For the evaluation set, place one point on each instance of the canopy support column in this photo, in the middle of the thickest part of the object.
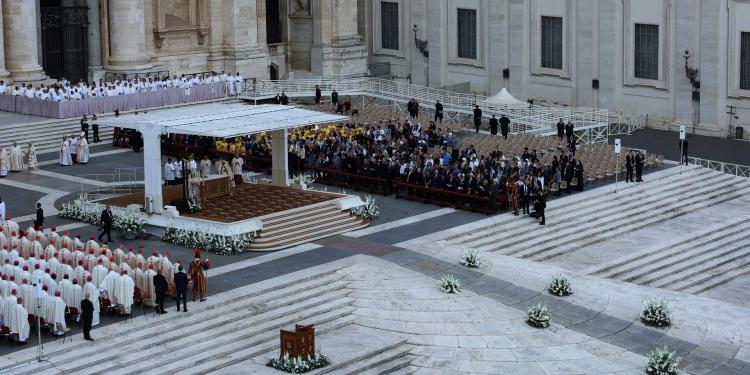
(279, 159)
(152, 169)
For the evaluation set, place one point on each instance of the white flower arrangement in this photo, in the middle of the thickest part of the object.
(662, 362)
(560, 286)
(298, 365)
(126, 221)
(193, 204)
(471, 259)
(450, 284)
(657, 314)
(538, 316)
(369, 211)
(214, 243)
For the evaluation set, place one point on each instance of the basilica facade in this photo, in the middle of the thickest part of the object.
(674, 62)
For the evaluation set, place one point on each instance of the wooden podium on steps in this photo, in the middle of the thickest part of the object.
(300, 343)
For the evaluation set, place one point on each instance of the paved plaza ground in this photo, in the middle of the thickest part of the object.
(374, 298)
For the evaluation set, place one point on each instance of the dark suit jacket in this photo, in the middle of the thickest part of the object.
(87, 309)
(181, 281)
(39, 217)
(107, 218)
(160, 284)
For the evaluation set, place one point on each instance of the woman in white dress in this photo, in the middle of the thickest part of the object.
(31, 157)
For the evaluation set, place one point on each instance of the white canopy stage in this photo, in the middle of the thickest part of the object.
(220, 120)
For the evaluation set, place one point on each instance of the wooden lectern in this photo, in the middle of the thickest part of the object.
(300, 343)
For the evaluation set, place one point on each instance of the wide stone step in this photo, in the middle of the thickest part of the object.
(380, 363)
(244, 334)
(679, 280)
(594, 225)
(246, 353)
(635, 260)
(290, 291)
(587, 197)
(576, 219)
(686, 260)
(279, 218)
(314, 221)
(270, 244)
(717, 277)
(611, 231)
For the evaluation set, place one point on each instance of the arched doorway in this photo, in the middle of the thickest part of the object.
(64, 40)
(273, 72)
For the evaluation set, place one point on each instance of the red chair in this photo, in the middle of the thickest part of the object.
(105, 304)
(73, 313)
(7, 334)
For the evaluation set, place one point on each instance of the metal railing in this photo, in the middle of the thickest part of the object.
(121, 181)
(524, 117)
(626, 125)
(720, 166)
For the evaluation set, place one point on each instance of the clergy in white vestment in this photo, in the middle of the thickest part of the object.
(27, 294)
(31, 161)
(92, 245)
(75, 296)
(124, 292)
(238, 83)
(64, 287)
(83, 151)
(65, 156)
(99, 273)
(20, 321)
(167, 269)
(169, 173)
(25, 247)
(119, 255)
(205, 166)
(237, 163)
(16, 158)
(109, 286)
(52, 283)
(4, 162)
(151, 300)
(8, 304)
(56, 313)
(93, 292)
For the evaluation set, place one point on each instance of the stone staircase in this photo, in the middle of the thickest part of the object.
(212, 338)
(601, 215)
(302, 225)
(47, 135)
(693, 264)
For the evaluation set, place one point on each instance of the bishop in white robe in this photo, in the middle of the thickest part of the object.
(16, 158)
(66, 158)
(124, 292)
(19, 323)
(31, 161)
(83, 151)
(93, 292)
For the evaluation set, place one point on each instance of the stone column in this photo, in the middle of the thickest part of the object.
(94, 40)
(152, 168)
(3, 73)
(344, 52)
(279, 159)
(20, 40)
(127, 36)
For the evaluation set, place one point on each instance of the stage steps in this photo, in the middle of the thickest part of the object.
(47, 135)
(240, 327)
(290, 228)
(693, 264)
(604, 216)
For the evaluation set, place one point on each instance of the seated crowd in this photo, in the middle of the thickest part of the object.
(65, 90)
(69, 270)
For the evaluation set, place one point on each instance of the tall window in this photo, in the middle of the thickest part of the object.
(745, 61)
(467, 33)
(646, 51)
(552, 42)
(389, 25)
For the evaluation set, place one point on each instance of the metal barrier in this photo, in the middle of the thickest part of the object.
(720, 166)
(524, 117)
(122, 181)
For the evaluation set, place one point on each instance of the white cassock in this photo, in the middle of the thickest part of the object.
(100, 272)
(51, 286)
(92, 245)
(119, 255)
(167, 269)
(64, 287)
(124, 292)
(93, 293)
(31, 161)
(65, 157)
(83, 151)
(56, 313)
(8, 304)
(4, 289)
(75, 295)
(20, 322)
(4, 162)
(27, 293)
(16, 159)
(109, 286)
(25, 247)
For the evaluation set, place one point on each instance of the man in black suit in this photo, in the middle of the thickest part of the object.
(85, 127)
(106, 221)
(684, 148)
(318, 94)
(477, 118)
(493, 125)
(560, 129)
(439, 111)
(87, 315)
(39, 222)
(95, 129)
(284, 99)
(629, 167)
(181, 285)
(638, 167)
(160, 291)
(569, 131)
(504, 126)
(334, 98)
